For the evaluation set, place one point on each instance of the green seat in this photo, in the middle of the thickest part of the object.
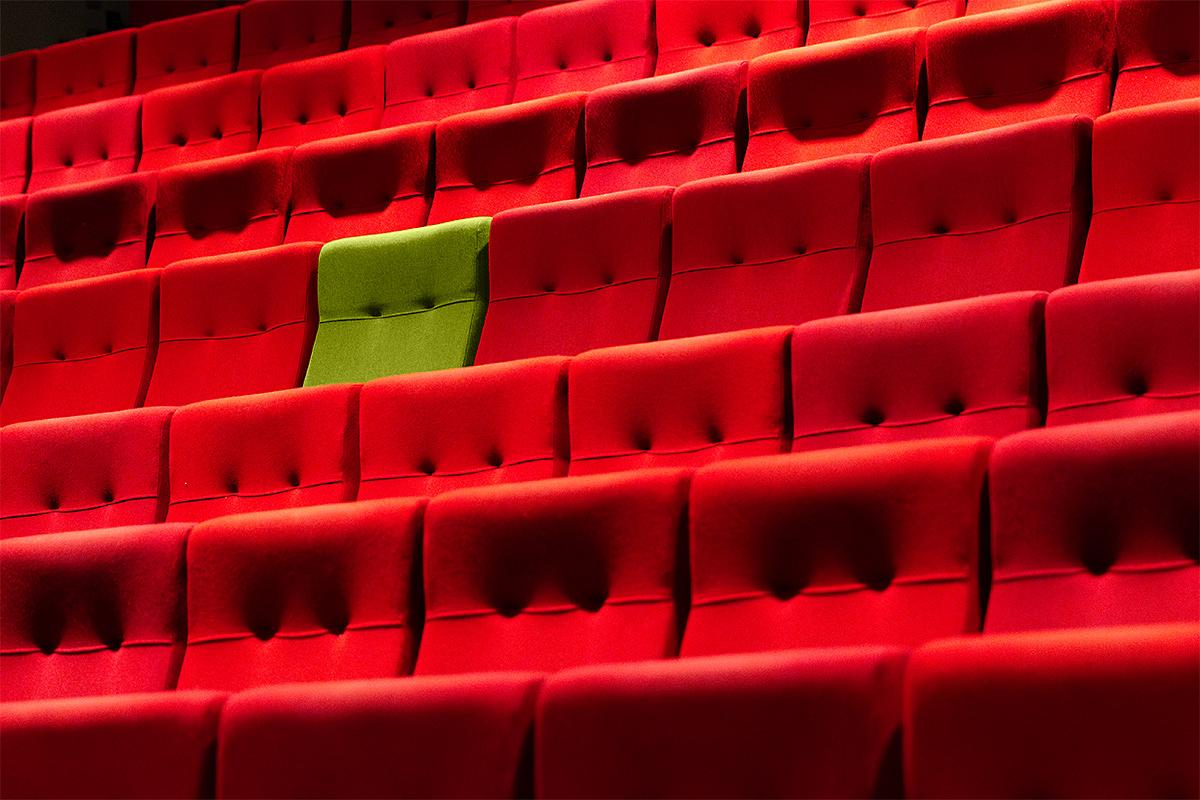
(394, 303)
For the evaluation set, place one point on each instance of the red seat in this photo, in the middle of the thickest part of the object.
(189, 48)
(85, 143)
(14, 155)
(12, 223)
(278, 31)
(86, 70)
(381, 21)
(1158, 52)
(698, 33)
(321, 97)
(8, 299)
(199, 121)
(829, 20)
(479, 10)
(16, 84)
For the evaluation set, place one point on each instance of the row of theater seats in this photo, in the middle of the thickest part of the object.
(976, 367)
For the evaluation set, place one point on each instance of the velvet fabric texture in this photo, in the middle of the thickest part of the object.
(14, 155)
(201, 120)
(334, 95)
(698, 33)
(275, 32)
(86, 70)
(190, 48)
(1158, 52)
(85, 143)
(382, 21)
(829, 20)
(16, 84)
(12, 224)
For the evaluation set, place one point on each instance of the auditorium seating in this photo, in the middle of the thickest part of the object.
(965, 368)
(664, 131)
(199, 121)
(1145, 192)
(235, 324)
(1001, 211)
(449, 72)
(277, 450)
(393, 303)
(584, 45)
(87, 230)
(93, 471)
(491, 424)
(317, 98)
(552, 574)
(365, 183)
(829, 20)
(1123, 348)
(1158, 52)
(14, 155)
(773, 247)
(382, 21)
(185, 49)
(272, 32)
(82, 347)
(84, 71)
(1096, 525)
(479, 10)
(12, 223)
(1107, 713)
(576, 275)
(8, 299)
(857, 96)
(16, 84)
(694, 33)
(85, 143)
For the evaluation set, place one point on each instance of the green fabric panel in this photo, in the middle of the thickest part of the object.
(394, 303)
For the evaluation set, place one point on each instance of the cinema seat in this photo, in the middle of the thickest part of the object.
(552, 574)
(1158, 52)
(91, 612)
(449, 72)
(317, 594)
(1065, 64)
(14, 155)
(664, 131)
(699, 33)
(322, 97)
(275, 32)
(581, 46)
(479, 10)
(732, 726)
(360, 184)
(918, 372)
(88, 230)
(183, 49)
(479, 426)
(857, 96)
(236, 324)
(1095, 525)
(1072, 714)
(772, 247)
(462, 737)
(199, 121)
(1001, 211)
(8, 299)
(576, 275)
(85, 143)
(1145, 192)
(159, 744)
(12, 225)
(82, 347)
(507, 157)
(85, 70)
(94, 471)
(263, 452)
(1123, 348)
(829, 20)
(684, 403)
(395, 303)
(16, 84)
(224, 205)
(381, 21)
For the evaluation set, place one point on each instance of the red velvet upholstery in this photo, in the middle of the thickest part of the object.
(235, 324)
(664, 131)
(462, 737)
(148, 745)
(361, 184)
(966, 368)
(1043, 60)
(267, 451)
(93, 471)
(88, 230)
(99, 140)
(381, 21)
(315, 594)
(86, 70)
(16, 84)
(698, 33)
(479, 10)
(553, 574)
(184, 49)
(1145, 192)
(222, 206)
(202, 120)
(857, 96)
(478, 426)
(686, 402)
(14, 155)
(449, 72)
(82, 347)
(278, 31)
(768, 248)
(1096, 525)
(507, 157)
(733, 726)
(8, 299)
(572, 276)
(12, 223)
(580, 46)
(829, 20)
(854, 546)
(1072, 714)
(1123, 348)
(1001, 211)
(91, 612)
(1158, 52)
(329, 96)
